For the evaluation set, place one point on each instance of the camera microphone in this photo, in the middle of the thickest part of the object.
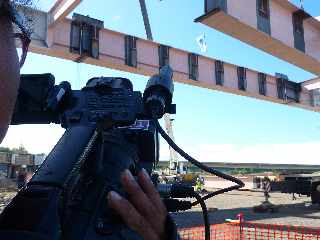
(157, 96)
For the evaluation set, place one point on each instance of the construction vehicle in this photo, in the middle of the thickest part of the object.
(178, 170)
(303, 184)
(175, 166)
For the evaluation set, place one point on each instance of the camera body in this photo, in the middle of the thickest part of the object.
(102, 99)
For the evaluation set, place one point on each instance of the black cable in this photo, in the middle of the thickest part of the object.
(205, 215)
(203, 167)
(175, 205)
(158, 147)
(220, 191)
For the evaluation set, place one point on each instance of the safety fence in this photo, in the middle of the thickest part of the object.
(242, 230)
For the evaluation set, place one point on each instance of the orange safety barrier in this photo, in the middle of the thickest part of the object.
(242, 230)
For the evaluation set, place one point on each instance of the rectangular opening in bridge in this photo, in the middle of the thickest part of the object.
(262, 82)
(219, 72)
(193, 66)
(263, 16)
(84, 35)
(293, 91)
(163, 55)
(95, 43)
(298, 30)
(210, 5)
(75, 37)
(131, 51)
(281, 88)
(288, 90)
(86, 40)
(242, 81)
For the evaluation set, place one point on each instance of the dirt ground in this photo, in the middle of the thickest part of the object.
(227, 206)
(299, 212)
(5, 198)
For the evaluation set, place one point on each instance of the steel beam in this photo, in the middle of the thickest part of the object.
(55, 41)
(146, 21)
(274, 30)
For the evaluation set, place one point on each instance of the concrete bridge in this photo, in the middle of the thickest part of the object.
(265, 166)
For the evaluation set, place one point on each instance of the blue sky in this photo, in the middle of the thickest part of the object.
(211, 125)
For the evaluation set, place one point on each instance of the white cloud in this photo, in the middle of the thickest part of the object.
(35, 138)
(164, 152)
(116, 18)
(42, 138)
(290, 153)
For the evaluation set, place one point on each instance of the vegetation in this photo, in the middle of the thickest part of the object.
(21, 150)
(246, 171)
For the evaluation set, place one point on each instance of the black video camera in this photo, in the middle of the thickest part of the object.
(109, 128)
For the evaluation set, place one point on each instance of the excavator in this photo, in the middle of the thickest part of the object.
(178, 170)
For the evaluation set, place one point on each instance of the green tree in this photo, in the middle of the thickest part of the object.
(5, 149)
(21, 150)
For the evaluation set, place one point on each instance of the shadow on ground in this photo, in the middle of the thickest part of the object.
(298, 210)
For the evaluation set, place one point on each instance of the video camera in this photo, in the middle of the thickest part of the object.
(109, 128)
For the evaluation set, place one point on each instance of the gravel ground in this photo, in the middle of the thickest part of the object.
(299, 212)
(5, 198)
(227, 206)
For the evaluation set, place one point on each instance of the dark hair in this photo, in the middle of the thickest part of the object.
(29, 23)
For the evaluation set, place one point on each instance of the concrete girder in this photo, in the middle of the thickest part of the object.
(55, 41)
(273, 31)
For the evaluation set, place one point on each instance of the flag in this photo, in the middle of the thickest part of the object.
(201, 40)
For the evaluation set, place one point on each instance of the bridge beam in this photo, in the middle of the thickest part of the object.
(277, 27)
(188, 68)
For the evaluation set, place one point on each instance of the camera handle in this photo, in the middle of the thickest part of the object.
(66, 198)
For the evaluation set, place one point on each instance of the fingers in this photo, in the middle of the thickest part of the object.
(150, 190)
(154, 197)
(137, 196)
(131, 216)
(145, 213)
